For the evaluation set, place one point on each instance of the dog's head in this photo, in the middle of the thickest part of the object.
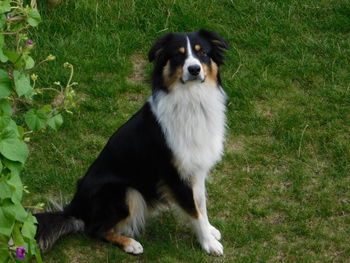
(187, 57)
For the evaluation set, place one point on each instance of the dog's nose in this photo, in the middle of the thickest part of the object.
(194, 69)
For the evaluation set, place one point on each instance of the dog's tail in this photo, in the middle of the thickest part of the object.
(54, 224)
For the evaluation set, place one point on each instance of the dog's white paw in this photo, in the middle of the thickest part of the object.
(212, 246)
(134, 247)
(216, 233)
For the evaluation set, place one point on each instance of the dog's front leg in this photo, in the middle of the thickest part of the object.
(199, 192)
(183, 192)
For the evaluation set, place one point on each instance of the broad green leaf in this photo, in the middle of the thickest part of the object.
(35, 119)
(15, 58)
(13, 126)
(16, 187)
(29, 62)
(12, 55)
(4, 121)
(29, 228)
(5, 84)
(33, 18)
(5, 106)
(5, 190)
(22, 84)
(55, 122)
(14, 211)
(14, 167)
(3, 57)
(4, 254)
(6, 224)
(11, 147)
(0, 172)
(5, 6)
(2, 20)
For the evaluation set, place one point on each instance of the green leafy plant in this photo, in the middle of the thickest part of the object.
(21, 115)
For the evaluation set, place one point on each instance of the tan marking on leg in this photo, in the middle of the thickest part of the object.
(197, 213)
(169, 195)
(121, 223)
(117, 239)
(134, 223)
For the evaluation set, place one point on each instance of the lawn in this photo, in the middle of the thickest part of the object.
(282, 190)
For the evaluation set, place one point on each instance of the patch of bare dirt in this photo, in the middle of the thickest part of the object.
(138, 63)
(235, 144)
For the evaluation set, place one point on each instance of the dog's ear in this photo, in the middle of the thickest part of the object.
(219, 45)
(158, 48)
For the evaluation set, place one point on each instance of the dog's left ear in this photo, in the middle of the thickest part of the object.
(157, 50)
(219, 45)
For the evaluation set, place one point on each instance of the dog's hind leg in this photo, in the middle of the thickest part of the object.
(116, 212)
(128, 244)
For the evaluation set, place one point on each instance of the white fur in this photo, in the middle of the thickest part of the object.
(134, 248)
(138, 212)
(207, 240)
(191, 61)
(192, 117)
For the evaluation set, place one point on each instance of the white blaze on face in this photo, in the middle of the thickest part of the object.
(191, 61)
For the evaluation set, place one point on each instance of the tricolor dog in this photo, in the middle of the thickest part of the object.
(163, 154)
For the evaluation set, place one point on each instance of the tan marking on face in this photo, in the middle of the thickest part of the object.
(182, 50)
(211, 72)
(197, 47)
(117, 239)
(171, 79)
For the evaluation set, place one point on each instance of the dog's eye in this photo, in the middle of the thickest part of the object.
(202, 53)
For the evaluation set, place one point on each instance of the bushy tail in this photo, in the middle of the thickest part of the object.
(53, 225)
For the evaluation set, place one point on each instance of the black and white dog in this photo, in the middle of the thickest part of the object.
(163, 153)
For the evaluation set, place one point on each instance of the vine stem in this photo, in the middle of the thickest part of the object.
(51, 89)
(14, 33)
(71, 75)
(37, 65)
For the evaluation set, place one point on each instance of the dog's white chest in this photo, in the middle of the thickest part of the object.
(192, 118)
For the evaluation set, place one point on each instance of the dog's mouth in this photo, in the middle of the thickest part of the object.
(193, 78)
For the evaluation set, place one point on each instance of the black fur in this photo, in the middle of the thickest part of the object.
(136, 156)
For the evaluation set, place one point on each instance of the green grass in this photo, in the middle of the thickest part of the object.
(281, 193)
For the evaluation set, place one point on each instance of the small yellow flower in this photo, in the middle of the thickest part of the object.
(34, 77)
(67, 65)
(50, 57)
(57, 83)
